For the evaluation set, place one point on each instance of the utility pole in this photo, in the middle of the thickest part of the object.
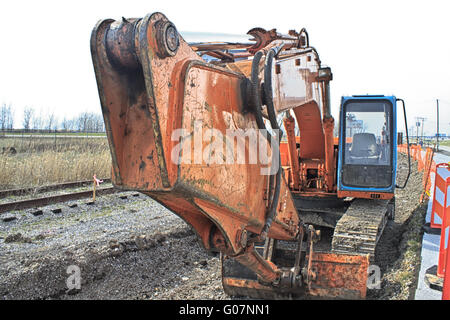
(437, 124)
(417, 130)
(422, 119)
(421, 135)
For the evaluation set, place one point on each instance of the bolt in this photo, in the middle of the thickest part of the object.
(172, 38)
(243, 238)
(167, 38)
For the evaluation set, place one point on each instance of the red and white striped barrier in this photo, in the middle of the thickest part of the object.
(440, 210)
(440, 218)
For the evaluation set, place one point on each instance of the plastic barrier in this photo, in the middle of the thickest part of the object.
(440, 194)
(446, 287)
(440, 205)
(425, 163)
(439, 210)
(429, 167)
(420, 159)
(444, 256)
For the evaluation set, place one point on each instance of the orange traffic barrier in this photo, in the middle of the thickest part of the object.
(439, 210)
(440, 205)
(446, 287)
(425, 163)
(429, 167)
(417, 152)
(420, 160)
(402, 148)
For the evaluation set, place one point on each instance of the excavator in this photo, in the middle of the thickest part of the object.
(237, 140)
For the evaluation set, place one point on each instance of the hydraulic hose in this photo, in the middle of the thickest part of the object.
(274, 124)
(257, 103)
(256, 97)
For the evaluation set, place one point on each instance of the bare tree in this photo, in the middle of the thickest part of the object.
(71, 124)
(65, 124)
(84, 122)
(28, 113)
(51, 120)
(81, 122)
(55, 124)
(99, 124)
(6, 117)
(3, 116)
(37, 122)
(3, 111)
(10, 121)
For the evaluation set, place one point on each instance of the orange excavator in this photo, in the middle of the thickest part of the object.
(197, 127)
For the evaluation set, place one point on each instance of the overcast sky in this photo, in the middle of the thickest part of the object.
(374, 47)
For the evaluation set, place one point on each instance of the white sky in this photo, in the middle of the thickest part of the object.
(376, 47)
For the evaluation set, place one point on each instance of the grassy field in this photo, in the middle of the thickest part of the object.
(32, 161)
(430, 142)
(445, 143)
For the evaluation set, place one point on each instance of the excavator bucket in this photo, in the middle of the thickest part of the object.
(334, 276)
(339, 275)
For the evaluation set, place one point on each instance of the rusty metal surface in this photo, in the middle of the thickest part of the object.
(365, 194)
(310, 124)
(289, 125)
(144, 101)
(266, 270)
(336, 276)
(342, 276)
(256, 290)
(153, 84)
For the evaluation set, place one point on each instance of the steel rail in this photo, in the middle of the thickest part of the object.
(19, 192)
(45, 201)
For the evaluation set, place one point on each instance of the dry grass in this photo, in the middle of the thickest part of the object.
(43, 161)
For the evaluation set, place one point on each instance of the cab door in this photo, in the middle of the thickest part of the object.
(367, 137)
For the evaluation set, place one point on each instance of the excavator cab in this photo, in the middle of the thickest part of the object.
(368, 146)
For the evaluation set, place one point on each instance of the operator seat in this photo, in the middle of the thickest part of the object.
(365, 145)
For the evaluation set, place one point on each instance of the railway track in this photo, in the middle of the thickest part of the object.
(52, 199)
(45, 201)
(66, 185)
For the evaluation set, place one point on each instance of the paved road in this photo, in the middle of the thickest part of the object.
(430, 242)
(444, 150)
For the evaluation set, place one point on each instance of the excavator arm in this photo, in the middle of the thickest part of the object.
(192, 135)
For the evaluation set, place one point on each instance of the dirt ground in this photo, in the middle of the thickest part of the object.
(398, 251)
(134, 248)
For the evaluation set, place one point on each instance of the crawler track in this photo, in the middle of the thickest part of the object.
(360, 228)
